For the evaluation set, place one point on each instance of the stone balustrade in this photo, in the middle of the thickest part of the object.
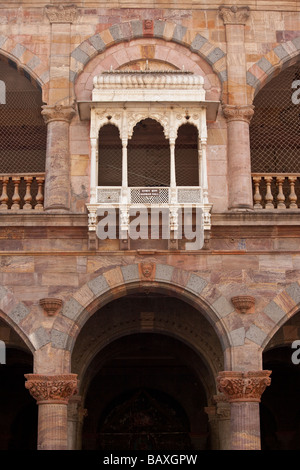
(276, 190)
(23, 191)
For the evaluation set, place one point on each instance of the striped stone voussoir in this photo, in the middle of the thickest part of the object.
(137, 29)
(122, 280)
(272, 63)
(27, 63)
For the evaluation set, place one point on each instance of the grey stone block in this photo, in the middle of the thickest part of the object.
(97, 42)
(137, 28)
(72, 309)
(215, 55)
(80, 55)
(294, 292)
(18, 50)
(281, 52)
(223, 307)
(116, 32)
(163, 272)
(238, 337)
(2, 40)
(196, 284)
(33, 62)
(130, 272)
(19, 313)
(256, 335)
(3, 292)
(274, 312)
(296, 42)
(72, 76)
(223, 76)
(198, 43)
(59, 339)
(40, 337)
(251, 79)
(265, 65)
(179, 33)
(98, 285)
(158, 29)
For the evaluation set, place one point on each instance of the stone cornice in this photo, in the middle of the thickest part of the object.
(234, 15)
(51, 388)
(58, 113)
(238, 112)
(61, 13)
(243, 386)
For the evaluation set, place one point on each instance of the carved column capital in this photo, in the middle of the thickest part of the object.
(61, 13)
(234, 15)
(238, 113)
(46, 389)
(243, 386)
(58, 113)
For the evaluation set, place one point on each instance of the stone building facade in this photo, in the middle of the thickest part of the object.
(126, 342)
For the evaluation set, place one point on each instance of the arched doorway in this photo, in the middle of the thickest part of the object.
(280, 409)
(18, 410)
(147, 365)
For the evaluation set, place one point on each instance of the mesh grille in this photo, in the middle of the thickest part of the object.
(275, 126)
(110, 156)
(148, 156)
(186, 156)
(23, 132)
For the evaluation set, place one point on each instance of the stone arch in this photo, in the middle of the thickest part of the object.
(271, 64)
(156, 29)
(121, 280)
(26, 63)
(280, 309)
(14, 313)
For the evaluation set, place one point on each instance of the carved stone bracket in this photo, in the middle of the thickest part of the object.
(234, 15)
(51, 388)
(61, 13)
(244, 303)
(50, 306)
(58, 113)
(243, 386)
(238, 113)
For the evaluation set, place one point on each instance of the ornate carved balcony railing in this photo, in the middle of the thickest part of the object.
(22, 191)
(173, 199)
(276, 191)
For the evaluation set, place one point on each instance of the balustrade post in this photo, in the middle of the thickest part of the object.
(39, 197)
(292, 195)
(269, 197)
(280, 195)
(16, 196)
(257, 196)
(28, 197)
(4, 195)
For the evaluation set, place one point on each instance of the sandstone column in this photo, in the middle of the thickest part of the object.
(223, 414)
(60, 109)
(237, 110)
(57, 182)
(76, 415)
(243, 391)
(52, 393)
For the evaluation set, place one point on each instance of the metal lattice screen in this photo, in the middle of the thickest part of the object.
(186, 156)
(148, 155)
(22, 129)
(275, 126)
(110, 156)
